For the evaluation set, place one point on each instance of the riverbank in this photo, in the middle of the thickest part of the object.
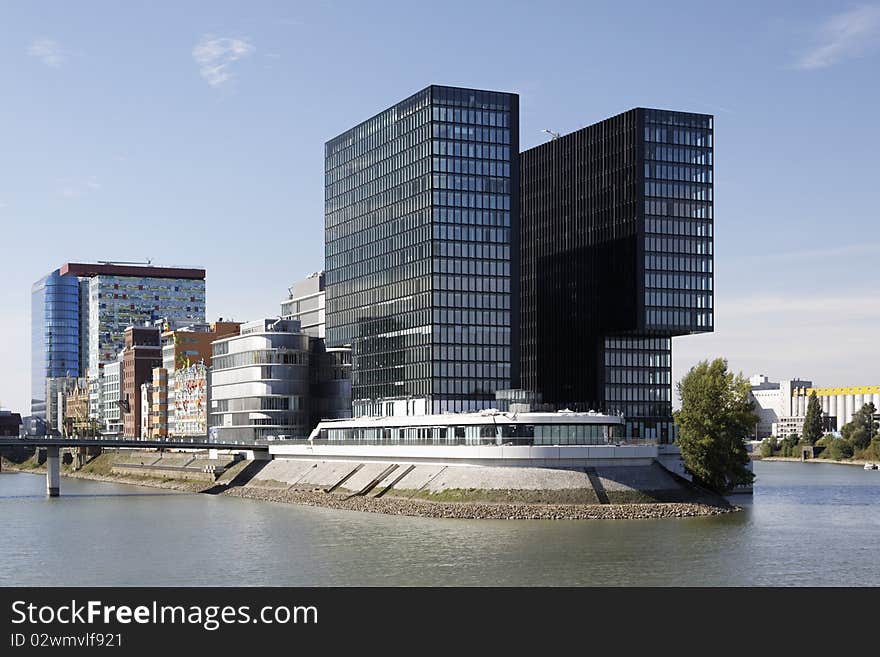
(472, 510)
(560, 501)
(793, 459)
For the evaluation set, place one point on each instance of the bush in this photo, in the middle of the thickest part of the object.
(873, 450)
(840, 448)
(768, 446)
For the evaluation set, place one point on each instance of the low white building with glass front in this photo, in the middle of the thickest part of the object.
(561, 439)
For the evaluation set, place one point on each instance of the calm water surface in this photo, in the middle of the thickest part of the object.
(806, 525)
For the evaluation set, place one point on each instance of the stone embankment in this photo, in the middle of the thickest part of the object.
(483, 510)
(430, 491)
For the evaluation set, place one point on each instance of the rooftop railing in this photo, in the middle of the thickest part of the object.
(474, 442)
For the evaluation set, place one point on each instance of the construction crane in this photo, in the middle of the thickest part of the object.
(553, 135)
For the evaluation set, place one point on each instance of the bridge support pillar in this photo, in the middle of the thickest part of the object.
(80, 457)
(53, 471)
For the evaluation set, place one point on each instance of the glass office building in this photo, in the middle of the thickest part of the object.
(616, 260)
(55, 346)
(421, 235)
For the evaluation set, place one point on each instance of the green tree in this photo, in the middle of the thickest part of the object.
(769, 446)
(862, 428)
(813, 420)
(788, 443)
(715, 420)
(838, 449)
(875, 447)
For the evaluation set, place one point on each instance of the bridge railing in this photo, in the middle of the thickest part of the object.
(117, 440)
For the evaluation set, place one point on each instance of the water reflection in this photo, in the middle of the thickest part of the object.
(799, 517)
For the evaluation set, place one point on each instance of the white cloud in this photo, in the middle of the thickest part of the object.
(47, 51)
(77, 187)
(849, 34)
(214, 55)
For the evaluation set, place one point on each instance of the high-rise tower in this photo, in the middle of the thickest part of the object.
(421, 208)
(617, 255)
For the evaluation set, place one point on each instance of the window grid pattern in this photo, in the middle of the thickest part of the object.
(617, 258)
(117, 302)
(638, 384)
(471, 247)
(678, 187)
(250, 402)
(54, 334)
(418, 247)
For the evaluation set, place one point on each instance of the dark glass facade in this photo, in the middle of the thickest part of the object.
(616, 235)
(55, 337)
(421, 209)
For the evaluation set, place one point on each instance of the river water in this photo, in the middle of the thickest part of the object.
(807, 524)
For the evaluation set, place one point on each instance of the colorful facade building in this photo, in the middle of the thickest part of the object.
(191, 397)
(182, 348)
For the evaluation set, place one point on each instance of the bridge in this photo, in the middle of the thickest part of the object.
(54, 444)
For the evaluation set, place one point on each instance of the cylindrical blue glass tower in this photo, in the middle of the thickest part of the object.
(54, 334)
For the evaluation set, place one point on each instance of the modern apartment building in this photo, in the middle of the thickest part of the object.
(421, 209)
(122, 295)
(183, 348)
(617, 258)
(260, 383)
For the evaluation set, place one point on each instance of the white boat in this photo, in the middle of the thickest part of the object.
(871, 466)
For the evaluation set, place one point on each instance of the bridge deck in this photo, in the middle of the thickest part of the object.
(14, 441)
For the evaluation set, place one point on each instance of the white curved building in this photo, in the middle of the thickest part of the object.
(260, 383)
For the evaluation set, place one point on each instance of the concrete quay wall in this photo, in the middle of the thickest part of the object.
(596, 484)
(544, 456)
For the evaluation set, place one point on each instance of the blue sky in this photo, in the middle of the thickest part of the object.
(192, 133)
